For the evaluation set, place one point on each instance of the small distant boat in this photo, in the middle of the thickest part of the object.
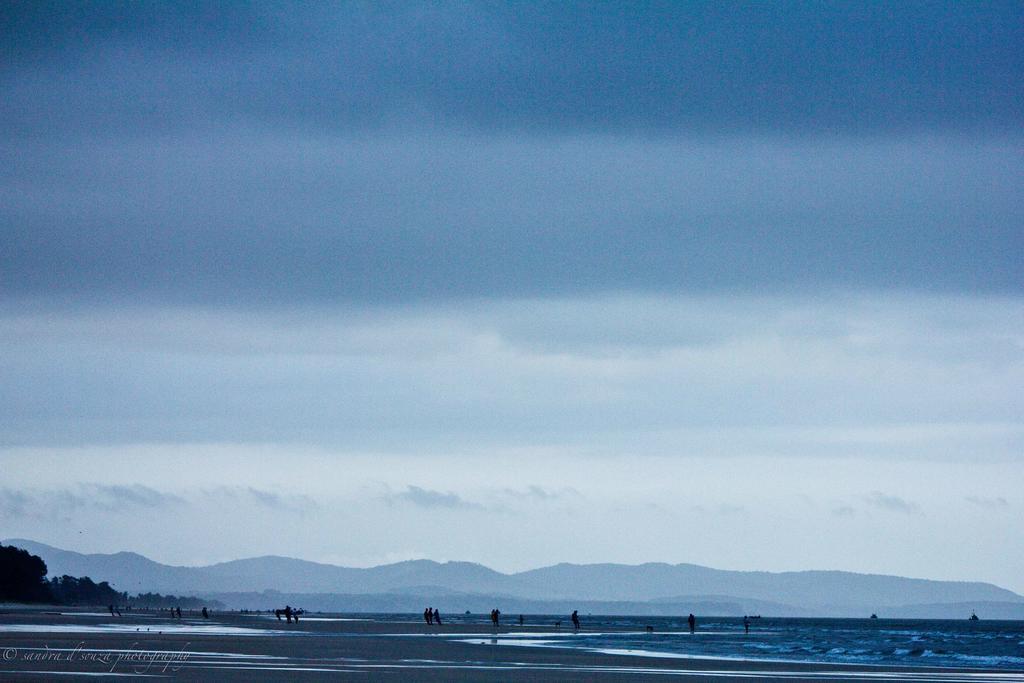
(974, 617)
(874, 616)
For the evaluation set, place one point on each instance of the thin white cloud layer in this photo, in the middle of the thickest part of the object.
(864, 375)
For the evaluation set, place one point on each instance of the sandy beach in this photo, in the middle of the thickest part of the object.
(60, 643)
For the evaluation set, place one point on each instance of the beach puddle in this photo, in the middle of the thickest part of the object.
(305, 618)
(521, 642)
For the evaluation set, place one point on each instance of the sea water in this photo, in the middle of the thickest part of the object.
(927, 642)
(992, 644)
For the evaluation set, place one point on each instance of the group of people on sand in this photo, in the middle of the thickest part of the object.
(432, 616)
(496, 619)
(288, 613)
(175, 612)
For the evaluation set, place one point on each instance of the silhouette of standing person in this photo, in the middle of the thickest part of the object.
(692, 621)
(437, 617)
(428, 616)
(497, 617)
(206, 615)
(520, 619)
(288, 613)
(575, 620)
(746, 624)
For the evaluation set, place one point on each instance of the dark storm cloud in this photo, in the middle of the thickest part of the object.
(550, 65)
(892, 503)
(270, 500)
(428, 498)
(988, 502)
(58, 503)
(539, 494)
(274, 220)
(275, 153)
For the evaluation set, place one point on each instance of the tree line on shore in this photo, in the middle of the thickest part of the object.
(23, 579)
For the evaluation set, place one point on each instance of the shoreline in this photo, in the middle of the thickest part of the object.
(43, 643)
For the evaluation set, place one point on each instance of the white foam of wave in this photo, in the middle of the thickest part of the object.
(906, 674)
(991, 660)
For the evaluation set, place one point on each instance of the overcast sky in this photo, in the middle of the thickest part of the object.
(733, 284)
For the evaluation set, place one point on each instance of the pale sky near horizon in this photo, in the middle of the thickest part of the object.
(733, 284)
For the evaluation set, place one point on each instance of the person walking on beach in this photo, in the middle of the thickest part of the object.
(575, 620)
(288, 613)
(746, 624)
(437, 617)
(206, 615)
(428, 616)
(692, 621)
(520, 619)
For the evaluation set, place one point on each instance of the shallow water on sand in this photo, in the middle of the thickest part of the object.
(203, 629)
(961, 643)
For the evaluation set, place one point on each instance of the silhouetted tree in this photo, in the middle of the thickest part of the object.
(23, 579)
(69, 590)
(22, 576)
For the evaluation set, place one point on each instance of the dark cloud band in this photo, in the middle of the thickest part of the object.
(704, 66)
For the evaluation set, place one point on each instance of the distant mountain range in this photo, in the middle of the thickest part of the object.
(652, 588)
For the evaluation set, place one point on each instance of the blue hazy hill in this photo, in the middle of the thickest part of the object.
(644, 588)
